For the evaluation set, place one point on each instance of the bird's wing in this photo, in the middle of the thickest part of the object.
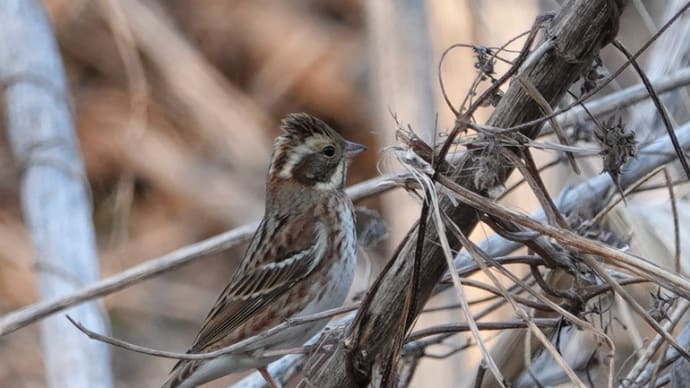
(253, 289)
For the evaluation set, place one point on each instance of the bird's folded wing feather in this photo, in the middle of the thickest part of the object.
(252, 290)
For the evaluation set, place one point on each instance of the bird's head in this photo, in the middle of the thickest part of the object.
(311, 153)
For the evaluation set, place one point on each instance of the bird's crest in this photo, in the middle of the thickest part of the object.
(304, 125)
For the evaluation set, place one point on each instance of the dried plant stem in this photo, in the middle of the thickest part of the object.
(676, 221)
(237, 347)
(139, 99)
(544, 105)
(484, 326)
(481, 258)
(642, 364)
(638, 266)
(670, 130)
(579, 30)
(439, 223)
(22, 317)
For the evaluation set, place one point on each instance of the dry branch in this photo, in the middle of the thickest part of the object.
(20, 318)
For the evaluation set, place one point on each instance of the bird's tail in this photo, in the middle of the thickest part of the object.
(170, 383)
(179, 374)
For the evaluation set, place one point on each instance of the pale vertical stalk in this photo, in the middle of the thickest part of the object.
(401, 84)
(402, 66)
(55, 199)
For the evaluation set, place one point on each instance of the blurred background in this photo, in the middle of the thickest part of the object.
(176, 104)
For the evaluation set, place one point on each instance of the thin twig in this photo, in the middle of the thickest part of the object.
(532, 91)
(636, 373)
(462, 327)
(676, 221)
(237, 347)
(597, 219)
(659, 106)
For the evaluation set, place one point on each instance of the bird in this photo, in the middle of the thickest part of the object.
(300, 261)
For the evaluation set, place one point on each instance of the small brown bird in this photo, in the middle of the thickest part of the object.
(300, 261)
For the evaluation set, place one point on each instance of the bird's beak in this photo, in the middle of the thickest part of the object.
(353, 149)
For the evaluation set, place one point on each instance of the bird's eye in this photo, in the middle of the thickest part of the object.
(328, 150)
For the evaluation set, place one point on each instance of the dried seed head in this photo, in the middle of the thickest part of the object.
(485, 61)
(618, 145)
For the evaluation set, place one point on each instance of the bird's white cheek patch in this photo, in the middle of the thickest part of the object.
(295, 157)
